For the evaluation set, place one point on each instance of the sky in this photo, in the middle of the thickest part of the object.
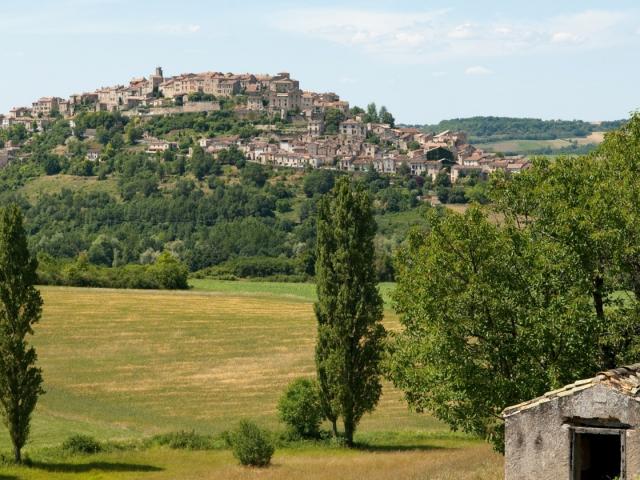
(424, 60)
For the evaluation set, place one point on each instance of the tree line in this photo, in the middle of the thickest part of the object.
(493, 129)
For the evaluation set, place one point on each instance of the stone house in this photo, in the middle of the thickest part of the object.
(46, 106)
(459, 171)
(352, 128)
(160, 146)
(385, 165)
(255, 102)
(586, 430)
(315, 128)
(93, 155)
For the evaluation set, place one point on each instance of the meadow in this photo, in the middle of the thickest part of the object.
(125, 365)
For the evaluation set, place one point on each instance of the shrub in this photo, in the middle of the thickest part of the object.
(184, 440)
(299, 407)
(251, 445)
(81, 444)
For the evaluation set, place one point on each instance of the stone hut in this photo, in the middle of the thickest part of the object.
(589, 430)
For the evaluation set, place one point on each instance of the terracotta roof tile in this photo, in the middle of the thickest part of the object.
(624, 379)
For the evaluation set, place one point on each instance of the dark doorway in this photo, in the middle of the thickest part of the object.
(596, 456)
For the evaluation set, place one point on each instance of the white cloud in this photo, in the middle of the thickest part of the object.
(432, 36)
(478, 70)
(565, 37)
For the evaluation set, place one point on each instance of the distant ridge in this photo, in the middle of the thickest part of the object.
(490, 128)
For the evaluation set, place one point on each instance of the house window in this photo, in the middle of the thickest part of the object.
(597, 454)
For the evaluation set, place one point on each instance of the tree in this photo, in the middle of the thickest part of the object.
(254, 175)
(349, 307)
(589, 205)
(318, 182)
(496, 314)
(372, 114)
(133, 133)
(333, 117)
(201, 162)
(169, 272)
(492, 316)
(413, 145)
(52, 164)
(299, 407)
(386, 117)
(20, 309)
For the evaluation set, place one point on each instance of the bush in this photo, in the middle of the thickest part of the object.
(184, 440)
(167, 273)
(299, 407)
(81, 444)
(251, 445)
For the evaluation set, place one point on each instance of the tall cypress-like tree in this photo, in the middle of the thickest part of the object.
(20, 309)
(349, 309)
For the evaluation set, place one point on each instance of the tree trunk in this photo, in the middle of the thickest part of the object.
(349, 428)
(334, 425)
(608, 352)
(17, 454)
(597, 297)
(634, 267)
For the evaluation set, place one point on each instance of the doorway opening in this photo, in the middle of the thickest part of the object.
(597, 455)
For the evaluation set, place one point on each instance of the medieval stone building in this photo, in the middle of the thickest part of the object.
(589, 430)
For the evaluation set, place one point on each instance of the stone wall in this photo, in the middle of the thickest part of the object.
(193, 107)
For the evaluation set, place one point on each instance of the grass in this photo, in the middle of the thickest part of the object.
(39, 186)
(438, 460)
(288, 291)
(126, 365)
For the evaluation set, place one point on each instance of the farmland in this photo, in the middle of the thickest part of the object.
(125, 365)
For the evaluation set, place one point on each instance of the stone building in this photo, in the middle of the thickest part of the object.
(46, 106)
(589, 430)
(352, 128)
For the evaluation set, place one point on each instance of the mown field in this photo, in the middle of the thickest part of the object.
(129, 364)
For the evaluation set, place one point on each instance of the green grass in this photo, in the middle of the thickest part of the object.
(121, 364)
(290, 291)
(126, 365)
(433, 458)
(56, 183)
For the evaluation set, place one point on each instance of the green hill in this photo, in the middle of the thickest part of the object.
(221, 214)
(493, 129)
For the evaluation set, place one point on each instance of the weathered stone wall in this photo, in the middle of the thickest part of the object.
(538, 439)
(192, 107)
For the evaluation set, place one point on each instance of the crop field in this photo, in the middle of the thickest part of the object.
(126, 364)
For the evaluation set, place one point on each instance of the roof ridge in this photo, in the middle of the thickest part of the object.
(625, 379)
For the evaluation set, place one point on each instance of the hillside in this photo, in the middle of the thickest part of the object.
(217, 213)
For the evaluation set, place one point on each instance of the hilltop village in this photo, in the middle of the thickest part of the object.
(323, 132)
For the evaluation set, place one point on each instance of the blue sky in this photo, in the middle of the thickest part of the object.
(425, 60)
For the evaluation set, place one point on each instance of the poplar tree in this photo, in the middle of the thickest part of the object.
(20, 309)
(349, 309)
